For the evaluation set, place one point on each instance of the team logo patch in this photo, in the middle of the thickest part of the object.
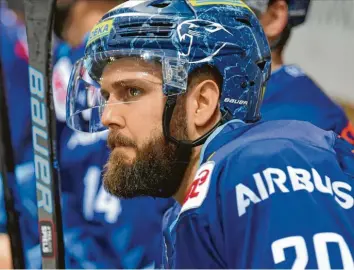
(199, 188)
(100, 30)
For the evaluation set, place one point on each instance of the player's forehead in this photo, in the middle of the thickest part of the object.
(130, 68)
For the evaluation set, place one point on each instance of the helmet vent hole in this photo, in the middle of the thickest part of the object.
(261, 65)
(243, 21)
(160, 3)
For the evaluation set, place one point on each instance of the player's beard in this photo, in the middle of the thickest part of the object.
(151, 172)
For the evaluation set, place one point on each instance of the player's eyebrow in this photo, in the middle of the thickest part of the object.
(124, 82)
(113, 85)
(134, 82)
(120, 83)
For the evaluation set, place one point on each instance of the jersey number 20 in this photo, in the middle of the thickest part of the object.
(320, 241)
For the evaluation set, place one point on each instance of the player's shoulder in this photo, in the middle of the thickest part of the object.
(277, 137)
(303, 82)
(295, 77)
(271, 144)
(292, 94)
(292, 73)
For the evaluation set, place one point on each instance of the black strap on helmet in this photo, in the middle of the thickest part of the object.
(184, 147)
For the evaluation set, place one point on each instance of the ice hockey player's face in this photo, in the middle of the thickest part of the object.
(141, 160)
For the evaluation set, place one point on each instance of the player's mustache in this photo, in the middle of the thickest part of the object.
(116, 139)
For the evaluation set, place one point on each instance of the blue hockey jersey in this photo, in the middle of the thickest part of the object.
(292, 95)
(100, 230)
(275, 194)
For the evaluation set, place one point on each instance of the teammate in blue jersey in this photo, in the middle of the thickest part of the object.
(179, 85)
(100, 230)
(291, 93)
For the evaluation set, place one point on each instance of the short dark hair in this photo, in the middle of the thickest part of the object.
(272, 1)
(204, 72)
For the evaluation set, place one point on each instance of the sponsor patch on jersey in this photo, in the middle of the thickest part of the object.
(199, 188)
(237, 3)
(100, 30)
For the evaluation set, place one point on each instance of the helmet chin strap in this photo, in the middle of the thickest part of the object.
(184, 147)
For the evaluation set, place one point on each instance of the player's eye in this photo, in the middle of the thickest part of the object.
(105, 95)
(134, 92)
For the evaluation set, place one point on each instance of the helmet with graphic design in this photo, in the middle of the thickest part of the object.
(182, 36)
(297, 13)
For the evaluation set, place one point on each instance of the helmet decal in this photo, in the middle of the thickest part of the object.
(196, 30)
(100, 30)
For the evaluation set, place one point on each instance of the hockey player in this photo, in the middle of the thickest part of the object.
(109, 232)
(291, 93)
(179, 85)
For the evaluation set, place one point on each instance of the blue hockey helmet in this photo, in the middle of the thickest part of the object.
(297, 9)
(297, 12)
(181, 36)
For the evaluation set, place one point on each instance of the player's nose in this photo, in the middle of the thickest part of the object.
(112, 117)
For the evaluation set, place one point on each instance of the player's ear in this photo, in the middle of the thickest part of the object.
(275, 19)
(206, 103)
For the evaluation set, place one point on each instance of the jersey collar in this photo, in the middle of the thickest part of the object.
(220, 137)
